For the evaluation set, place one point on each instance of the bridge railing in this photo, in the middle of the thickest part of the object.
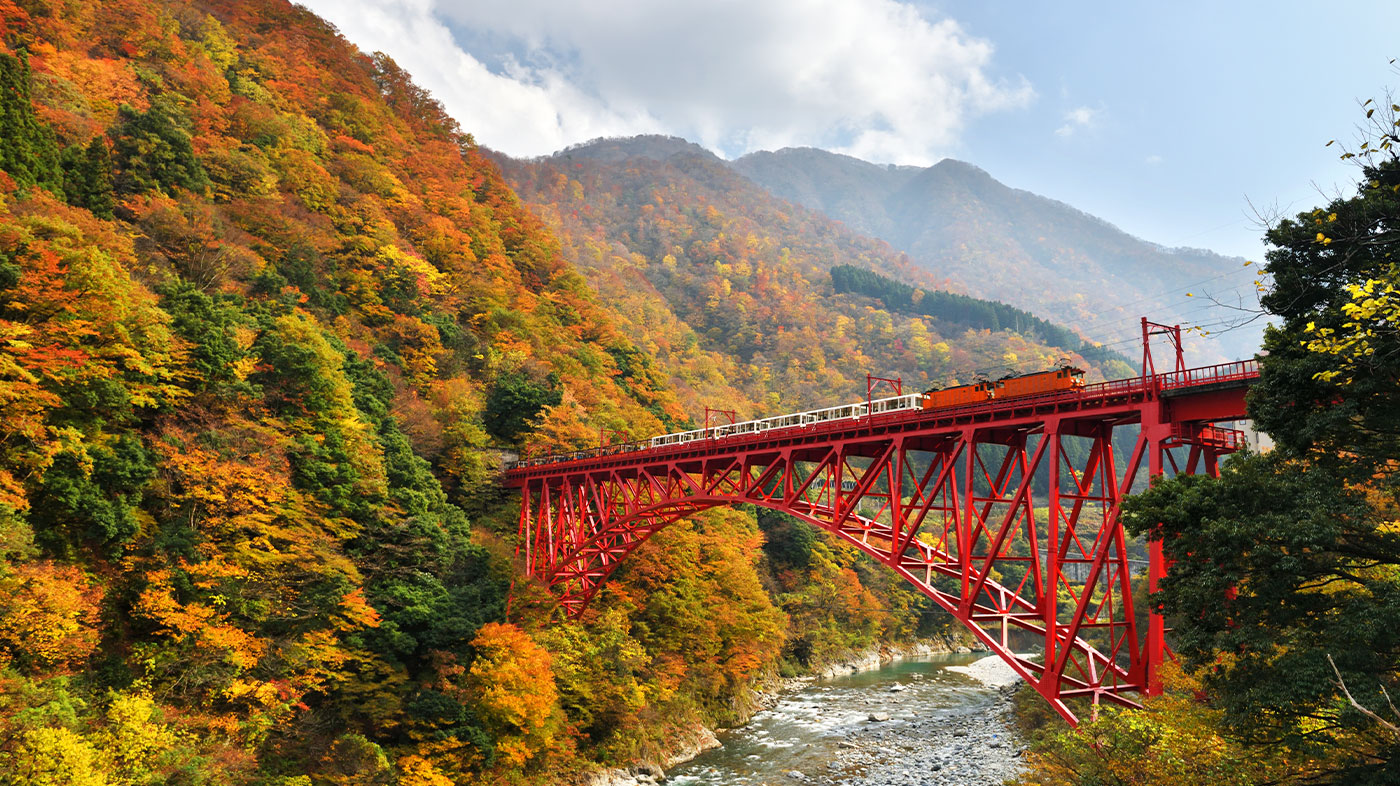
(1220, 372)
(1169, 380)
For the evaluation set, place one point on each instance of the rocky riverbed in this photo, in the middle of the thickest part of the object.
(979, 747)
(912, 723)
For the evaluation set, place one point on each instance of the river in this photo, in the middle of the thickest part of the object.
(942, 727)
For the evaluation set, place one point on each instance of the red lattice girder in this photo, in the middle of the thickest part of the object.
(986, 509)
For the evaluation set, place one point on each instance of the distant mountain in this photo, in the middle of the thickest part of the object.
(847, 189)
(650, 146)
(731, 288)
(957, 222)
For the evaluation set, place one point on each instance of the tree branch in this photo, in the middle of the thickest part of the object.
(1394, 730)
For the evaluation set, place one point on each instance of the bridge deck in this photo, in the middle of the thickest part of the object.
(955, 500)
(1192, 395)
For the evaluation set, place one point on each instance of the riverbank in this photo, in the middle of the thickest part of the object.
(693, 742)
(923, 721)
(885, 654)
(919, 719)
(979, 746)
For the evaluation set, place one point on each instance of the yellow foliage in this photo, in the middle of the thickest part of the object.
(418, 771)
(1372, 313)
(355, 761)
(132, 740)
(303, 176)
(563, 427)
(264, 694)
(55, 757)
(1174, 741)
(427, 279)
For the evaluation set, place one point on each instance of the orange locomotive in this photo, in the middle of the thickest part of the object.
(962, 394)
(1062, 378)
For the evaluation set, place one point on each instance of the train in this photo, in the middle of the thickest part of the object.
(1057, 379)
(1011, 386)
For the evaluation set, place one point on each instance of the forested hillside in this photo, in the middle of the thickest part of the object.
(269, 322)
(958, 222)
(731, 289)
(953, 309)
(1284, 587)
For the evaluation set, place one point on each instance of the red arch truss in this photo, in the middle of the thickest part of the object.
(1005, 513)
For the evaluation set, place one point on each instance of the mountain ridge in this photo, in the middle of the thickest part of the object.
(1035, 252)
(969, 233)
(663, 227)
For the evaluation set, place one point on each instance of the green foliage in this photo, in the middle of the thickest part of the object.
(601, 672)
(1292, 557)
(87, 177)
(514, 401)
(92, 497)
(210, 325)
(788, 543)
(961, 309)
(1352, 428)
(968, 311)
(452, 588)
(1277, 564)
(1175, 741)
(29, 153)
(153, 150)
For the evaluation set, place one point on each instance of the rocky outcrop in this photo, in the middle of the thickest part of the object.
(684, 747)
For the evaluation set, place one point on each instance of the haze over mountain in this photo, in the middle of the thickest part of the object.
(730, 288)
(960, 224)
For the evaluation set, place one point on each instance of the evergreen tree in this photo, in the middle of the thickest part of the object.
(964, 310)
(154, 150)
(87, 177)
(514, 401)
(28, 151)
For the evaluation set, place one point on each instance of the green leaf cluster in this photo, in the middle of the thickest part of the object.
(153, 150)
(29, 153)
(1294, 556)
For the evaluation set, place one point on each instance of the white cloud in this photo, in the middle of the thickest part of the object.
(1077, 119)
(1153, 159)
(872, 78)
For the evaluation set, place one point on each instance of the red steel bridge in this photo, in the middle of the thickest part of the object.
(1004, 512)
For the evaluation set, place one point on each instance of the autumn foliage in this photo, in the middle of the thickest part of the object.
(270, 323)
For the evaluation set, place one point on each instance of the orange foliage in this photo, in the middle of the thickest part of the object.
(290, 359)
(201, 622)
(48, 617)
(514, 689)
(729, 288)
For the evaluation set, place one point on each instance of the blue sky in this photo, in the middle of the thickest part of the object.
(1197, 107)
(1165, 119)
